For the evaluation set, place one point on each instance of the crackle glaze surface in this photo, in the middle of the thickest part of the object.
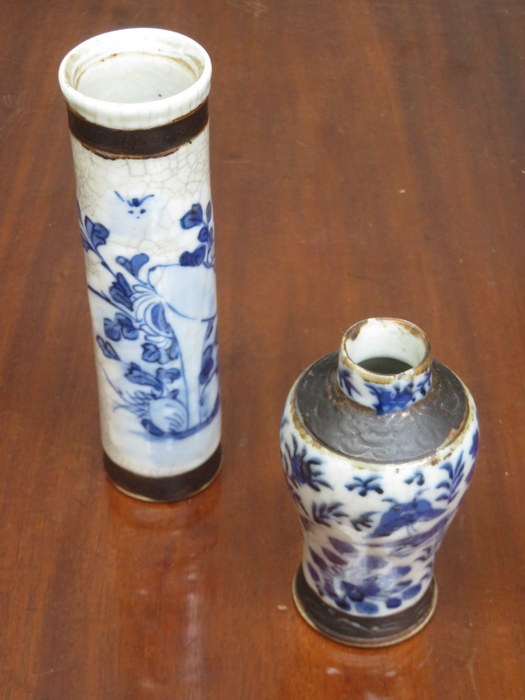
(147, 231)
(371, 531)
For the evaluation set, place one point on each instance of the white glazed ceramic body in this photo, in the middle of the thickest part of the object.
(147, 230)
(371, 530)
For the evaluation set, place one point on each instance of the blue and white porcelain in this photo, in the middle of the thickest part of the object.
(137, 104)
(377, 463)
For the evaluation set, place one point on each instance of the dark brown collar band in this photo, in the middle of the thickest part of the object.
(138, 143)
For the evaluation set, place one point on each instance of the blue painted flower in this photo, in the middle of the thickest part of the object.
(389, 399)
(365, 484)
(140, 324)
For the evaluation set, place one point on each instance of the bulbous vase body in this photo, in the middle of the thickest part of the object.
(378, 446)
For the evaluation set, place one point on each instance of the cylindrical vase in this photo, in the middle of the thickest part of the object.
(378, 444)
(137, 102)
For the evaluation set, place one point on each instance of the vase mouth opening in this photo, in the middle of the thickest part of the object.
(156, 74)
(386, 347)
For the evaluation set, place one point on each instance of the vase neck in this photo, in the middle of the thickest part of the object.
(385, 364)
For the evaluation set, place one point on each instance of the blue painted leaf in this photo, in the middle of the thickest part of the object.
(318, 560)
(334, 558)
(448, 468)
(401, 570)
(198, 255)
(193, 217)
(107, 349)
(313, 572)
(134, 265)
(323, 513)
(126, 326)
(124, 262)
(138, 376)
(173, 394)
(194, 259)
(151, 353)
(444, 485)
(97, 233)
(112, 329)
(364, 520)
(138, 261)
(208, 212)
(412, 592)
(341, 546)
(121, 292)
(393, 602)
(204, 235)
(345, 378)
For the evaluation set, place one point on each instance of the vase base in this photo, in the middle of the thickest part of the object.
(165, 489)
(358, 631)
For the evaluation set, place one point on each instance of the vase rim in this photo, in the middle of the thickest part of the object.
(111, 63)
(420, 348)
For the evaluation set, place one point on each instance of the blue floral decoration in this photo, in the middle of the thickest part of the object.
(405, 515)
(345, 381)
(365, 484)
(204, 253)
(301, 469)
(376, 582)
(398, 396)
(157, 393)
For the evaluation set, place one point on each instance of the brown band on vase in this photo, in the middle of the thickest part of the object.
(339, 424)
(357, 630)
(138, 143)
(164, 488)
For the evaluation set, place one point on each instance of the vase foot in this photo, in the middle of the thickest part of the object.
(359, 631)
(165, 489)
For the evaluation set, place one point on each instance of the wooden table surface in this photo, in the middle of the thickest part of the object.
(367, 159)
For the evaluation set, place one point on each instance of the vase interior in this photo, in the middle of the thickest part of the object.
(386, 346)
(135, 77)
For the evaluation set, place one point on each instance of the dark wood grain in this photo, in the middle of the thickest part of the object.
(367, 159)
